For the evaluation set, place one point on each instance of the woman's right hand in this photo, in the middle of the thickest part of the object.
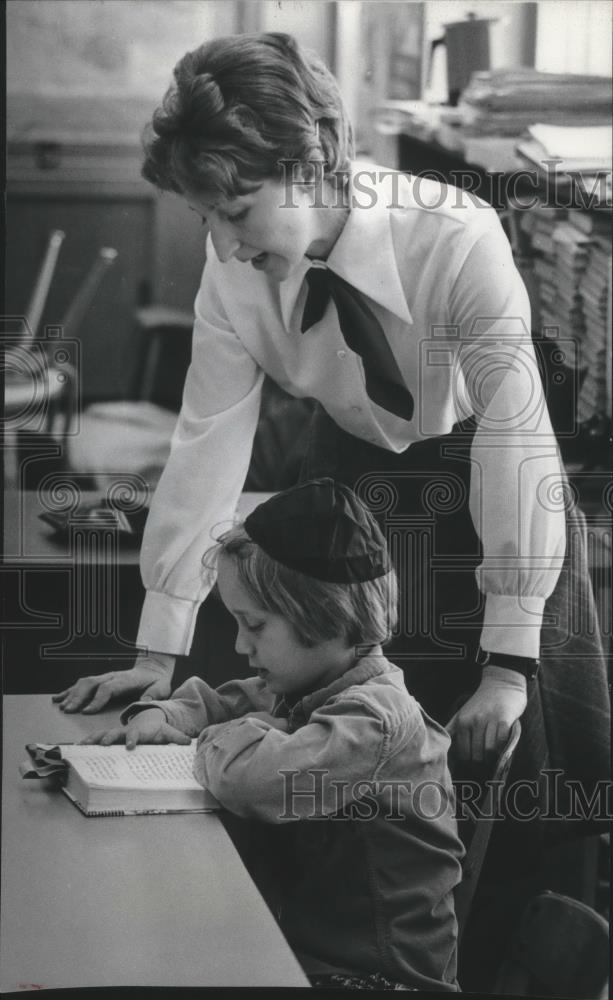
(149, 678)
(148, 726)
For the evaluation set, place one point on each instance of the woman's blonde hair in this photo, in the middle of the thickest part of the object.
(240, 106)
(364, 614)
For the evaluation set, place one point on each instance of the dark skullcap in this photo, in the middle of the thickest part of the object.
(323, 530)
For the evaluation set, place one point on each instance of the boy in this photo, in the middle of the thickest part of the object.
(327, 745)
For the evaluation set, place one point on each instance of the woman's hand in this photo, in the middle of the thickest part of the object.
(148, 726)
(482, 726)
(150, 678)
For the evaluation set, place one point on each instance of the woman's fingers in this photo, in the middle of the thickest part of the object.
(151, 675)
(108, 687)
(78, 695)
(493, 739)
(463, 740)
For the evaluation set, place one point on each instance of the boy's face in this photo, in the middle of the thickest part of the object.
(269, 641)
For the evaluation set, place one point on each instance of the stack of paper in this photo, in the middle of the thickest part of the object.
(506, 101)
(556, 150)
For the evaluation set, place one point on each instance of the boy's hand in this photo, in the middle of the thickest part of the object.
(482, 726)
(150, 678)
(149, 726)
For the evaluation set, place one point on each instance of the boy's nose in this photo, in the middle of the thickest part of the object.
(243, 644)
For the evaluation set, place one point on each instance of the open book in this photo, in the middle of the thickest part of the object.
(113, 781)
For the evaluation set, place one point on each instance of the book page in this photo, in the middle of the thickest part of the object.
(168, 766)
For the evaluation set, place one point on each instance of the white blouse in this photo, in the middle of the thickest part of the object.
(437, 269)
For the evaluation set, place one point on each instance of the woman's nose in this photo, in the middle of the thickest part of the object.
(224, 240)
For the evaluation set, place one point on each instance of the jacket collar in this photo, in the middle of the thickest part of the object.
(374, 271)
(300, 711)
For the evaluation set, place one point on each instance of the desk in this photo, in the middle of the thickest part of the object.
(135, 901)
(426, 142)
(28, 540)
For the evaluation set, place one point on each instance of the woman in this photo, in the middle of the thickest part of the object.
(395, 303)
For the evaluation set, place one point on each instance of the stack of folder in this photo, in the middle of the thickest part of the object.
(541, 225)
(561, 253)
(594, 289)
(570, 251)
(572, 261)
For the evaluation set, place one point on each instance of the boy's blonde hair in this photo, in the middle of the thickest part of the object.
(364, 613)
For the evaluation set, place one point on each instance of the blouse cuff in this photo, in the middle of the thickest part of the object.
(167, 623)
(512, 625)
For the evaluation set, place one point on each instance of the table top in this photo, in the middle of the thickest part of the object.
(128, 901)
(28, 540)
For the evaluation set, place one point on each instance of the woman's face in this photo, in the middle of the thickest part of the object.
(271, 228)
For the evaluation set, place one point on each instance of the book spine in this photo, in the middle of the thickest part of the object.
(104, 812)
(143, 812)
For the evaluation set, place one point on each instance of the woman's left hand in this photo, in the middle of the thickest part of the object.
(482, 726)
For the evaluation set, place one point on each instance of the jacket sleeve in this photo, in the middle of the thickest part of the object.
(256, 770)
(516, 477)
(201, 484)
(196, 705)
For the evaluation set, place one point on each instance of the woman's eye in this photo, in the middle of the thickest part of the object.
(239, 216)
(254, 628)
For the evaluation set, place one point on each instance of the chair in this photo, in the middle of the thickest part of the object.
(555, 946)
(475, 822)
(41, 368)
(559, 949)
(132, 436)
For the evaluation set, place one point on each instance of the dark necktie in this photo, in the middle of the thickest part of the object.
(363, 334)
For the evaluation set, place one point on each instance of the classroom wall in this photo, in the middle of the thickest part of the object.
(83, 77)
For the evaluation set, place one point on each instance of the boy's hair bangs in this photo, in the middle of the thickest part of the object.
(364, 613)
